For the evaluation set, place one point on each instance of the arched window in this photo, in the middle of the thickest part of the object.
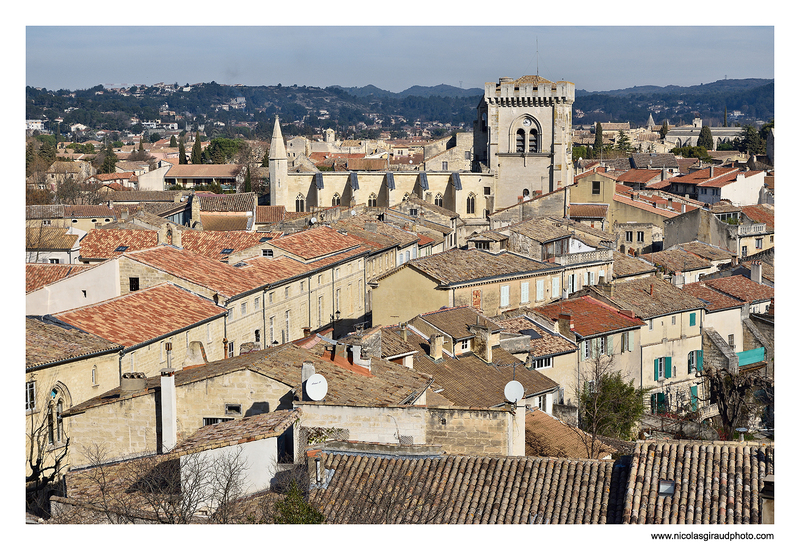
(55, 423)
(471, 203)
(533, 141)
(439, 200)
(520, 141)
(372, 201)
(337, 200)
(300, 203)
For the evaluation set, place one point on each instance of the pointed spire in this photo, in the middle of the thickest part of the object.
(277, 150)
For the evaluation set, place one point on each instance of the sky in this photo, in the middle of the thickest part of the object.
(394, 58)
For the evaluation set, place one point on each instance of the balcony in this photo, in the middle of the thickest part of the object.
(600, 255)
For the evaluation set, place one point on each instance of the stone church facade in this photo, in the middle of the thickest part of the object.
(522, 146)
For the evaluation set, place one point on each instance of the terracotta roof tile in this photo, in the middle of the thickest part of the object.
(88, 211)
(49, 341)
(143, 315)
(544, 433)
(639, 175)
(761, 213)
(588, 210)
(543, 342)
(314, 243)
(212, 243)
(715, 482)
(225, 221)
(713, 300)
(589, 316)
(470, 490)
(39, 275)
(104, 243)
(673, 261)
(707, 251)
(742, 288)
(628, 266)
(270, 214)
(236, 202)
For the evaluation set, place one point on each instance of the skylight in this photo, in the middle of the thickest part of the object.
(226, 251)
(121, 249)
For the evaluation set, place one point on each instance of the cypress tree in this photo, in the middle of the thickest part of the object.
(181, 152)
(172, 142)
(598, 138)
(197, 150)
(705, 139)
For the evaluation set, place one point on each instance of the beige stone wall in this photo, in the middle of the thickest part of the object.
(489, 293)
(564, 372)
(405, 294)
(75, 382)
(457, 431)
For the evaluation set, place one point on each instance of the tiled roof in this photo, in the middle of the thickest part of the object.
(589, 316)
(761, 213)
(673, 261)
(201, 270)
(143, 315)
(49, 238)
(47, 342)
(392, 343)
(115, 176)
(44, 212)
(543, 342)
(588, 210)
(742, 288)
(646, 205)
(225, 221)
(103, 243)
(234, 432)
(628, 266)
(665, 298)
(539, 230)
(39, 275)
(203, 171)
(705, 250)
(270, 214)
(544, 433)
(639, 175)
(212, 243)
(662, 160)
(714, 300)
(145, 196)
(88, 211)
(454, 321)
(236, 202)
(316, 242)
(372, 230)
(715, 482)
(468, 381)
(456, 266)
(470, 490)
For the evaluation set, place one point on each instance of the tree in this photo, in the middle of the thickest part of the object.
(293, 508)
(738, 395)
(181, 152)
(705, 139)
(154, 137)
(598, 139)
(623, 142)
(141, 144)
(108, 164)
(664, 129)
(607, 405)
(197, 150)
(172, 141)
(247, 183)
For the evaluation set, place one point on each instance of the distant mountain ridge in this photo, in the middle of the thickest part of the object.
(440, 90)
(726, 85)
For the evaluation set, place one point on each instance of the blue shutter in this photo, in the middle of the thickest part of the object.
(693, 391)
(692, 319)
(655, 370)
(668, 367)
(698, 358)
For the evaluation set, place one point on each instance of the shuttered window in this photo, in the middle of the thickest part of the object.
(523, 292)
(504, 296)
(539, 290)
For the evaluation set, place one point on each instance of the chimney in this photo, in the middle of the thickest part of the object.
(651, 289)
(755, 271)
(306, 371)
(169, 411)
(663, 173)
(132, 382)
(404, 331)
(711, 172)
(480, 344)
(678, 281)
(358, 360)
(566, 326)
(306, 332)
(436, 345)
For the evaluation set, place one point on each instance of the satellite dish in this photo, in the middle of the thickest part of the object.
(352, 212)
(514, 391)
(313, 220)
(316, 387)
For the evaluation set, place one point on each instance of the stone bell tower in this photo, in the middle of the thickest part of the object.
(278, 168)
(523, 136)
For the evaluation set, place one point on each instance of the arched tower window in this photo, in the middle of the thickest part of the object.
(520, 141)
(525, 135)
(300, 203)
(55, 423)
(372, 201)
(438, 200)
(337, 200)
(533, 141)
(471, 203)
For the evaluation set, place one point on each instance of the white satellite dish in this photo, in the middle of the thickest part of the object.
(313, 220)
(316, 387)
(514, 391)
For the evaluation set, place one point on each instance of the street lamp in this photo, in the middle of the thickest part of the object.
(334, 318)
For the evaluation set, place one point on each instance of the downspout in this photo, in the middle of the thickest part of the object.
(264, 317)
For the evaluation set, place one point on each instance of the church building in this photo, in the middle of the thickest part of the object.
(522, 147)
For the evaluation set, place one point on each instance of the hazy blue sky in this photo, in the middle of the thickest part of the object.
(395, 58)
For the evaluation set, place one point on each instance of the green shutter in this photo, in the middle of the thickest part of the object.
(693, 391)
(610, 345)
(699, 360)
(655, 370)
(692, 319)
(668, 367)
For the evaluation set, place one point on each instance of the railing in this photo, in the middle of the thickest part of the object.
(602, 255)
(751, 229)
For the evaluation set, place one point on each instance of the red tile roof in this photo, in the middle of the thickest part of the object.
(639, 175)
(47, 342)
(143, 315)
(212, 243)
(589, 316)
(588, 210)
(742, 288)
(270, 214)
(39, 275)
(761, 213)
(314, 243)
(103, 243)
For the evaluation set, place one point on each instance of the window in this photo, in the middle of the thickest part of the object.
(629, 236)
(523, 292)
(244, 308)
(533, 141)
(30, 395)
(133, 284)
(438, 200)
(692, 319)
(412, 211)
(46, 223)
(257, 336)
(585, 349)
(744, 252)
(759, 243)
(230, 313)
(673, 319)
(640, 236)
(300, 203)
(372, 201)
(256, 303)
(471, 204)
(650, 324)
(212, 421)
(544, 363)
(233, 409)
(465, 345)
(662, 368)
(94, 376)
(487, 190)
(695, 361)
(286, 336)
(520, 143)
(319, 311)
(272, 331)
(466, 155)
(267, 253)
(444, 165)
(596, 188)
(271, 297)
(627, 342)
(337, 200)
(731, 340)
(540, 290)
(286, 293)
(504, 296)
(230, 348)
